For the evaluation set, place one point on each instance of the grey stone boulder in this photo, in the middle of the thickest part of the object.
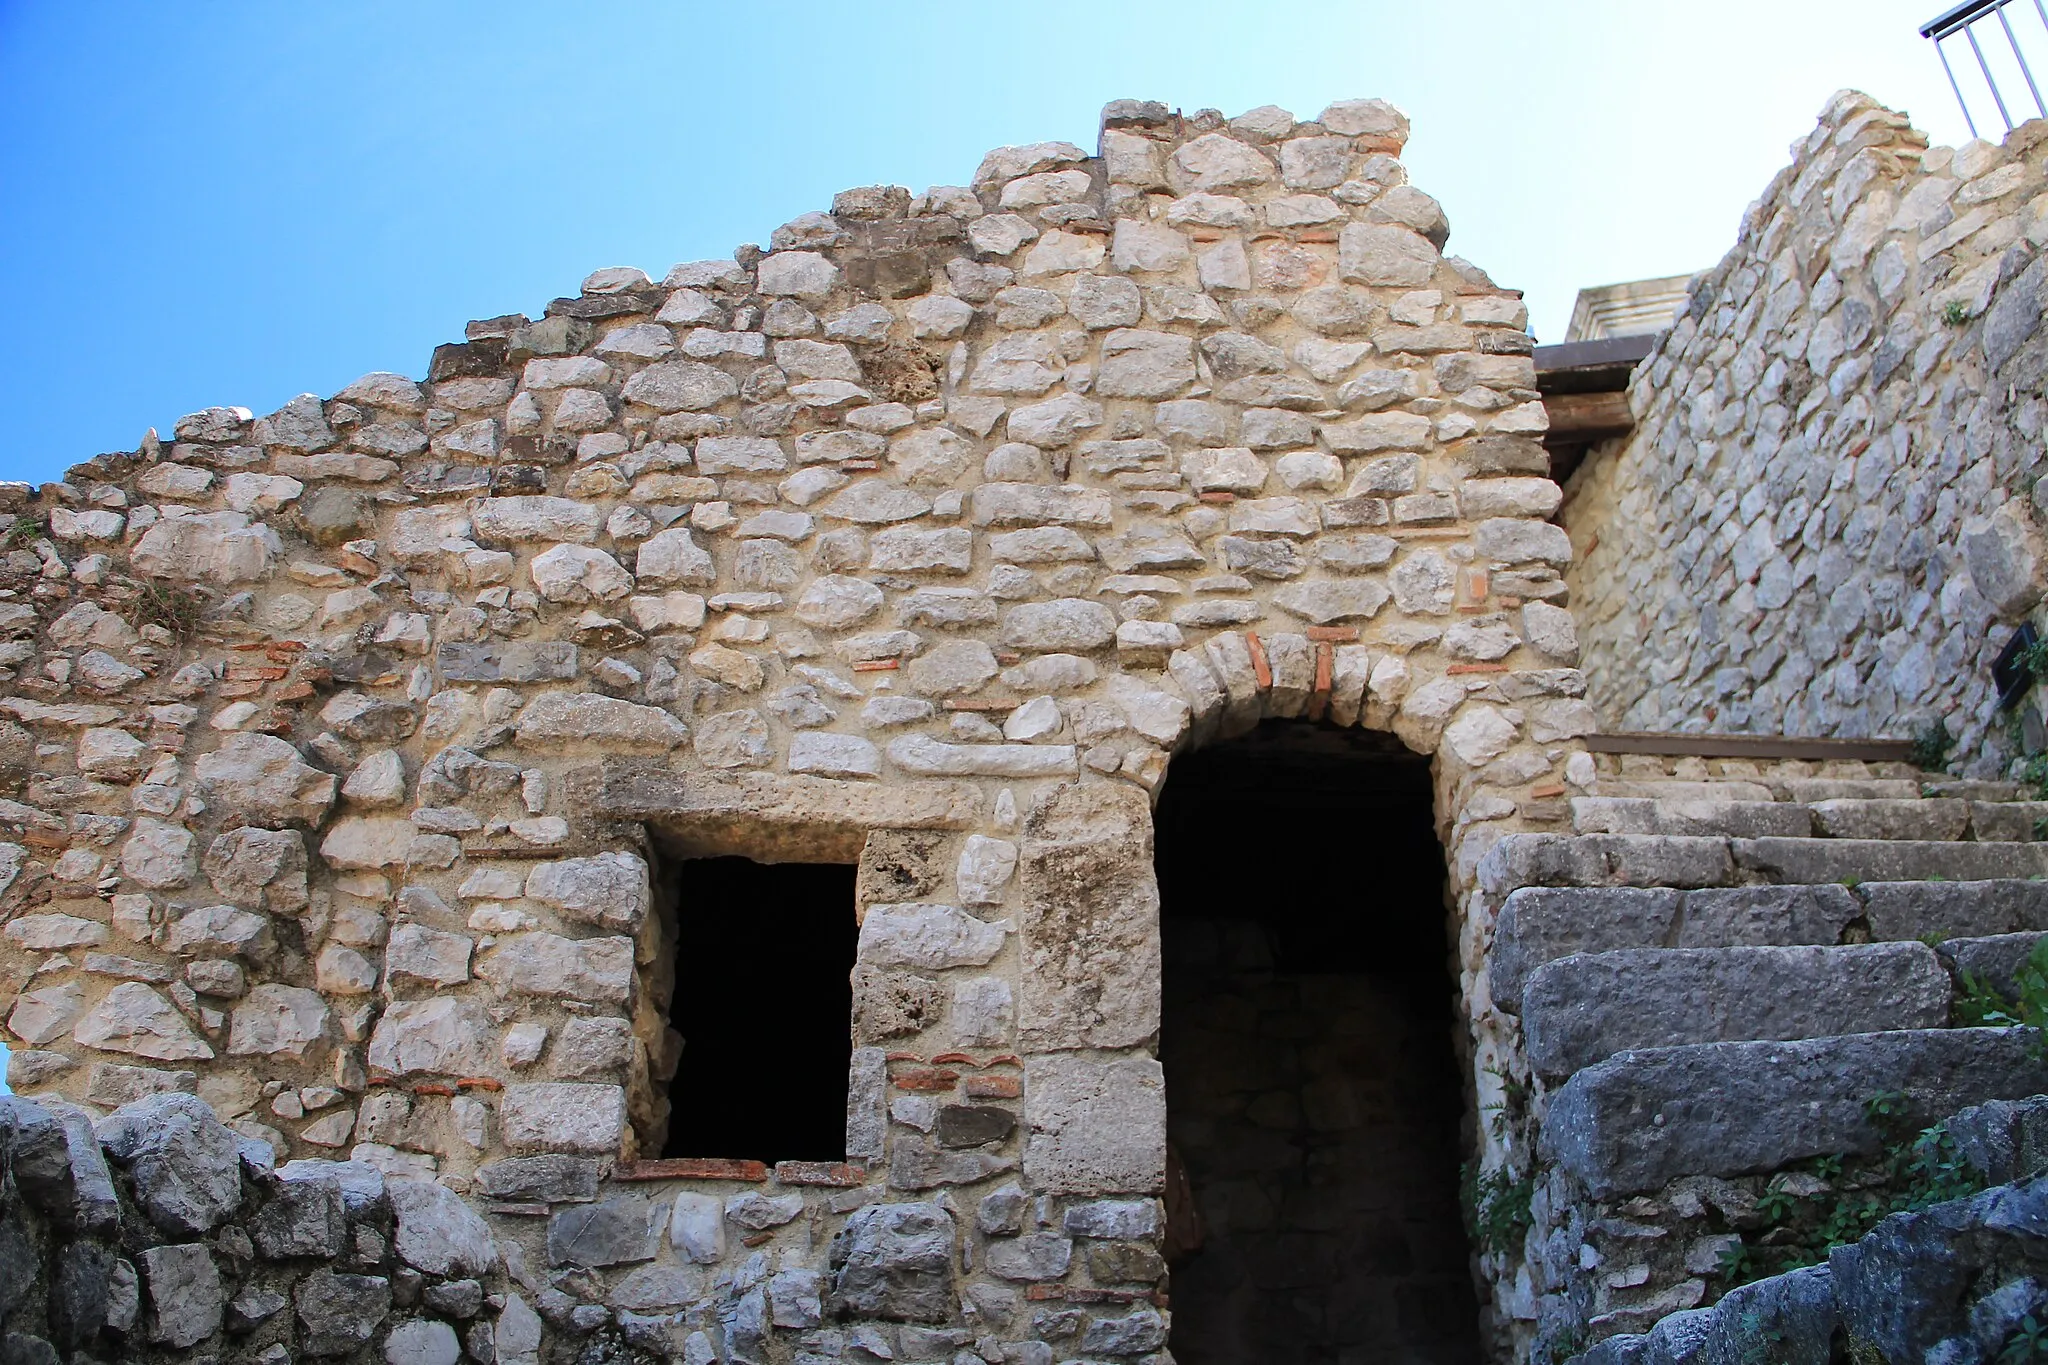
(339, 1313)
(2004, 1140)
(185, 1296)
(1787, 1319)
(1675, 1340)
(1911, 1283)
(895, 1261)
(1133, 1334)
(38, 1154)
(81, 1291)
(362, 1185)
(304, 1218)
(1639, 1120)
(1582, 1009)
(551, 1179)
(422, 1342)
(614, 1232)
(438, 1232)
(184, 1162)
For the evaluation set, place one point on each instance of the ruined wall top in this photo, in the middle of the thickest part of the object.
(1825, 522)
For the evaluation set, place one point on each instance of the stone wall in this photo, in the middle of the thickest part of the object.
(1824, 522)
(346, 747)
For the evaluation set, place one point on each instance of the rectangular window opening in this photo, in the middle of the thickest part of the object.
(764, 1003)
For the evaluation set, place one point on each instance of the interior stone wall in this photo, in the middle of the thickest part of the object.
(1827, 520)
(338, 740)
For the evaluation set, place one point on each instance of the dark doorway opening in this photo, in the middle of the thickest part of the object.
(764, 1003)
(1313, 1095)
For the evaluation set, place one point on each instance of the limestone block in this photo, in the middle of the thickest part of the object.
(442, 1036)
(278, 1021)
(134, 1019)
(183, 1161)
(265, 781)
(1095, 1127)
(260, 867)
(212, 547)
(533, 518)
(607, 889)
(599, 970)
(554, 1116)
(185, 1294)
(929, 937)
(1089, 920)
(555, 718)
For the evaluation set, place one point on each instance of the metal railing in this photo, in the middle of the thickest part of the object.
(1962, 19)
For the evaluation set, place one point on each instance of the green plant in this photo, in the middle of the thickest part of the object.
(2028, 1342)
(1981, 1006)
(175, 609)
(2034, 772)
(1913, 1171)
(20, 532)
(1497, 1206)
(1955, 313)
(1932, 746)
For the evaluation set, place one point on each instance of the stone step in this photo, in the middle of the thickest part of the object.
(1928, 819)
(1583, 1009)
(1639, 1120)
(1688, 861)
(1540, 924)
(1690, 815)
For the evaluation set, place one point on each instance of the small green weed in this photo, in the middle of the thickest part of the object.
(1914, 1171)
(1955, 313)
(1980, 1006)
(1932, 747)
(2028, 1343)
(1497, 1206)
(20, 532)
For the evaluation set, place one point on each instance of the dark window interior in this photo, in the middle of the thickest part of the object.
(764, 1002)
(1314, 1102)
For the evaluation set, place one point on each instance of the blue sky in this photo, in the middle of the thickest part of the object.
(234, 203)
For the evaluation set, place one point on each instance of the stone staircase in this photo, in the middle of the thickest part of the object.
(1722, 964)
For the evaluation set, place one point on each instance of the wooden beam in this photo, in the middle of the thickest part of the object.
(1588, 416)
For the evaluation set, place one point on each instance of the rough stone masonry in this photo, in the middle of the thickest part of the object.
(341, 745)
(925, 536)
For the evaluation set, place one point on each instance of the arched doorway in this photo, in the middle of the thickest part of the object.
(1314, 1104)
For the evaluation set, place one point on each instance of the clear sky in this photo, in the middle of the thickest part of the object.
(233, 202)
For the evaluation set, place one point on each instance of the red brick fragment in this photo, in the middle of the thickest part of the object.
(691, 1168)
(1547, 789)
(1262, 670)
(1477, 668)
(993, 1087)
(875, 665)
(1342, 635)
(925, 1078)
